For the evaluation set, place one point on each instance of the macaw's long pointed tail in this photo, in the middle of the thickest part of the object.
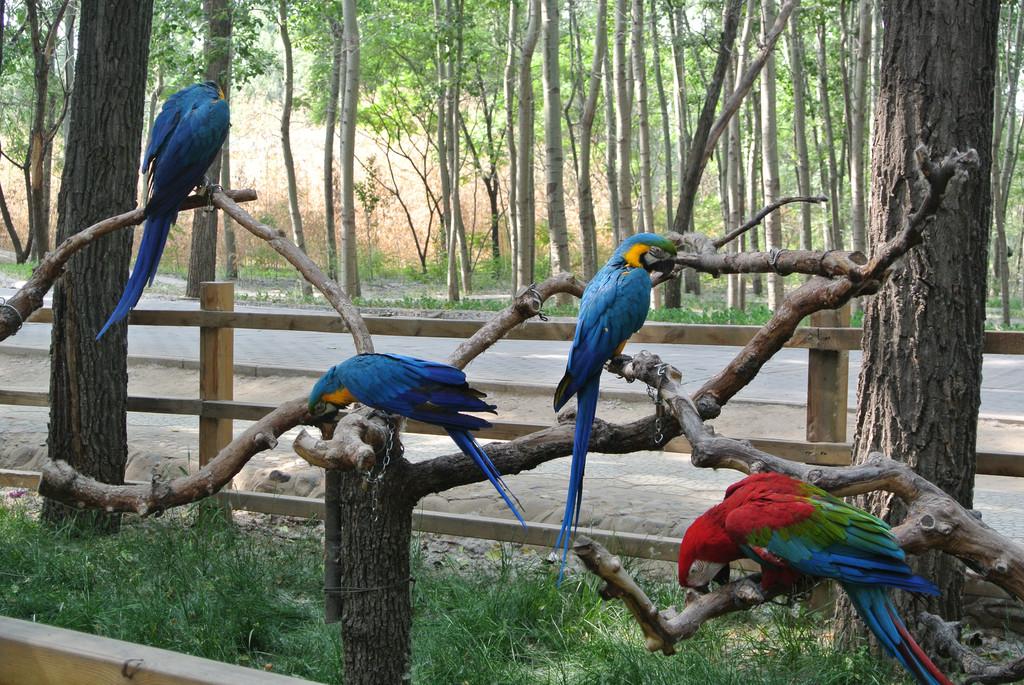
(471, 447)
(586, 408)
(154, 237)
(875, 607)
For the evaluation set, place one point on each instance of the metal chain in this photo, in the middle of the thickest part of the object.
(533, 289)
(659, 404)
(372, 478)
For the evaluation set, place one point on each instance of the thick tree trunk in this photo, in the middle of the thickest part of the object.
(525, 192)
(770, 155)
(803, 163)
(89, 377)
(374, 583)
(919, 387)
(624, 125)
(294, 215)
(330, 120)
(350, 106)
(509, 84)
(202, 260)
(553, 151)
(636, 49)
(588, 224)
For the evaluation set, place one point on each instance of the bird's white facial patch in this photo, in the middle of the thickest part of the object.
(702, 572)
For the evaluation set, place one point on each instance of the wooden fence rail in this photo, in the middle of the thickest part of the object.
(38, 654)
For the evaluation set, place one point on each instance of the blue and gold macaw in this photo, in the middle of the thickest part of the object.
(187, 134)
(614, 307)
(422, 390)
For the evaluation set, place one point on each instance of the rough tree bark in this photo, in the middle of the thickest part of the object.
(588, 227)
(294, 215)
(89, 377)
(202, 260)
(554, 153)
(349, 107)
(918, 393)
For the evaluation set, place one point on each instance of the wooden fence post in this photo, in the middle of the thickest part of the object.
(216, 367)
(827, 381)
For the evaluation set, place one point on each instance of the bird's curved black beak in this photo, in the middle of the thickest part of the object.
(656, 259)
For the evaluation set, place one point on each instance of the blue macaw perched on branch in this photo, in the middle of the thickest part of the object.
(791, 527)
(614, 307)
(426, 391)
(187, 134)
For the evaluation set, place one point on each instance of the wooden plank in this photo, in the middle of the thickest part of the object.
(14, 478)
(827, 381)
(817, 337)
(216, 368)
(37, 654)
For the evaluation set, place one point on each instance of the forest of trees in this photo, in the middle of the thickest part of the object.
(496, 142)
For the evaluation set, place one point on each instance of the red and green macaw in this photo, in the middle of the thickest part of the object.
(614, 307)
(187, 134)
(422, 390)
(790, 527)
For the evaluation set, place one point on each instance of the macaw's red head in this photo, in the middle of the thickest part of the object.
(706, 549)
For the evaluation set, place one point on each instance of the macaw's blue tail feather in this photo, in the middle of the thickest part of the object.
(154, 237)
(880, 615)
(470, 447)
(586, 407)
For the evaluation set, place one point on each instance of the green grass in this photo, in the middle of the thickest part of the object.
(22, 271)
(195, 585)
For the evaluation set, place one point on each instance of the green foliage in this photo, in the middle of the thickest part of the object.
(193, 584)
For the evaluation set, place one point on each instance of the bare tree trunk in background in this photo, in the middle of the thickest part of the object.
(696, 158)
(673, 289)
(457, 234)
(918, 395)
(754, 181)
(1004, 160)
(202, 260)
(611, 154)
(330, 121)
(295, 216)
(525, 192)
(735, 288)
(154, 103)
(803, 162)
(230, 242)
(89, 377)
(588, 224)
(636, 48)
(770, 154)
(553, 152)
(350, 105)
(510, 77)
(666, 133)
(836, 242)
(858, 127)
(40, 137)
(624, 126)
(444, 65)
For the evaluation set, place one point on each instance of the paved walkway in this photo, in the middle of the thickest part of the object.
(783, 379)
